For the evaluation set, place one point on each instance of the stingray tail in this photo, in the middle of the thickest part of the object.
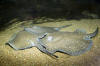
(59, 28)
(94, 33)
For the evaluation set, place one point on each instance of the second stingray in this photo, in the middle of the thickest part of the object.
(72, 43)
(43, 29)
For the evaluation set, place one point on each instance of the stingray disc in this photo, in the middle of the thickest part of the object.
(71, 43)
(22, 40)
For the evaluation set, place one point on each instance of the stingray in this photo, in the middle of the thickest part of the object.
(71, 43)
(41, 29)
(24, 40)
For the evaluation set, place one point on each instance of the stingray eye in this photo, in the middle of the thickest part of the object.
(87, 37)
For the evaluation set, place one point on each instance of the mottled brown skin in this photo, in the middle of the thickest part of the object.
(72, 43)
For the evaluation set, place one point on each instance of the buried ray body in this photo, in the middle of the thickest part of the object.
(41, 29)
(72, 43)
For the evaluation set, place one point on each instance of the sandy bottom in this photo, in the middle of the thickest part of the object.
(34, 57)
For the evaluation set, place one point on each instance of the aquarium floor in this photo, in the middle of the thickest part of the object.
(34, 57)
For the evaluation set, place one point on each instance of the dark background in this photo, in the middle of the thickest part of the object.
(30, 9)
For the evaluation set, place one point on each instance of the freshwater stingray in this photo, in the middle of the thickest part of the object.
(24, 40)
(72, 43)
(41, 29)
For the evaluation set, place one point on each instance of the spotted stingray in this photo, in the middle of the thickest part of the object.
(41, 29)
(72, 43)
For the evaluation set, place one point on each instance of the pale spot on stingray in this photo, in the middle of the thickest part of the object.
(31, 42)
(50, 38)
